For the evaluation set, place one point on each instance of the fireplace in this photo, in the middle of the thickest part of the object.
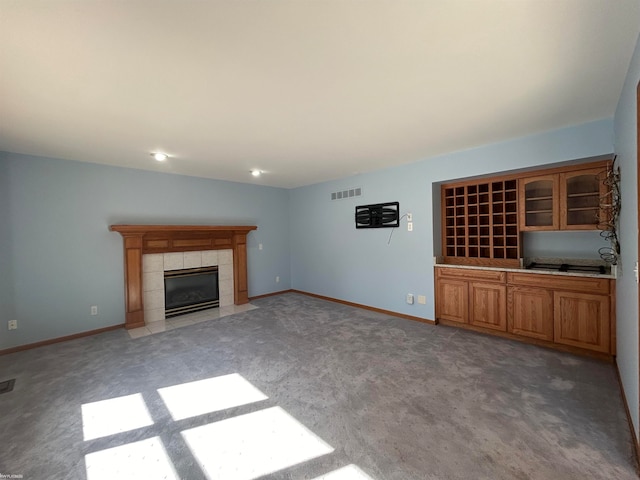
(190, 290)
(144, 290)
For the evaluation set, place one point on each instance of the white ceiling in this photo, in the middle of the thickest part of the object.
(306, 90)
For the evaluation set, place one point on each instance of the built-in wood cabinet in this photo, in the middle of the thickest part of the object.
(580, 193)
(480, 222)
(574, 313)
(568, 200)
(475, 297)
(488, 305)
(582, 320)
(454, 303)
(530, 312)
(539, 203)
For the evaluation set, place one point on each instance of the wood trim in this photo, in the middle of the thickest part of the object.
(561, 282)
(531, 173)
(272, 294)
(143, 239)
(497, 276)
(533, 341)
(366, 307)
(482, 262)
(632, 430)
(144, 229)
(51, 341)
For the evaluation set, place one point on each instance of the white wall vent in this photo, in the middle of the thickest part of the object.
(349, 193)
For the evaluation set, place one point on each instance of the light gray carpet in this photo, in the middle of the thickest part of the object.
(395, 398)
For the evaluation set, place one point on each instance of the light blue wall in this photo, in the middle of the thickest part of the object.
(571, 244)
(627, 289)
(6, 275)
(64, 258)
(330, 257)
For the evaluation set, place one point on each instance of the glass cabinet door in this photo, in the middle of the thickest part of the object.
(580, 193)
(538, 196)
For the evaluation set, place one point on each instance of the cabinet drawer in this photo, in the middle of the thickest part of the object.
(560, 282)
(471, 274)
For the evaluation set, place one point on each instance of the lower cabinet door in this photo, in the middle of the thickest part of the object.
(488, 305)
(530, 312)
(582, 320)
(452, 300)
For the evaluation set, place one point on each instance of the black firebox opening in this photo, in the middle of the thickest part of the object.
(190, 290)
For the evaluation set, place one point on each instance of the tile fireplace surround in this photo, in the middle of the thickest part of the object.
(155, 264)
(190, 246)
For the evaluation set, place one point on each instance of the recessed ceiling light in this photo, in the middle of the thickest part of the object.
(159, 156)
(256, 173)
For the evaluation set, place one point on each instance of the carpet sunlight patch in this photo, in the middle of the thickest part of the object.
(137, 460)
(350, 472)
(249, 446)
(210, 395)
(115, 415)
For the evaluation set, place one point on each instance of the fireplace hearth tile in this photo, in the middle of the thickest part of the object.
(182, 322)
(139, 332)
(213, 314)
(157, 327)
(189, 319)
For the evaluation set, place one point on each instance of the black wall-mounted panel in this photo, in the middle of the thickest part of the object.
(379, 215)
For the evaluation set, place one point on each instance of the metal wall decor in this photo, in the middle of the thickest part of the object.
(609, 213)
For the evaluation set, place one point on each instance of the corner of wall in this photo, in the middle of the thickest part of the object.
(626, 148)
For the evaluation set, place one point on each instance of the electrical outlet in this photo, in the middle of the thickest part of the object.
(410, 226)
(277, 279)
(422, 300)
(12, 324)
(94, 310)
(410, 298)
(259, 246)
(409, 217)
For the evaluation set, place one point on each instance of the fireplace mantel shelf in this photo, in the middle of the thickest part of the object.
(134, 229)
(143, 239)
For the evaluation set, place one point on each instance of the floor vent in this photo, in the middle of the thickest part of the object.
(349, 193)
(7, 386)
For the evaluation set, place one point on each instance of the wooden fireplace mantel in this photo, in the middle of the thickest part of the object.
(142, 239)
